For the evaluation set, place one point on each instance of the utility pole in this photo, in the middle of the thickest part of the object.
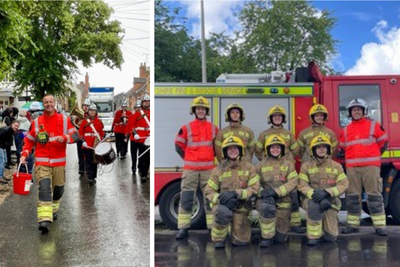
(203, 45)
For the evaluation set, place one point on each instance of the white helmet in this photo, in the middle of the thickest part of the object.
(138, 103)
(357, 102)
(146, 97)
(124, 104)
(87, 102)
(93, 107)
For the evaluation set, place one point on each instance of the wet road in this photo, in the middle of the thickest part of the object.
(102, 225)
(361, 249)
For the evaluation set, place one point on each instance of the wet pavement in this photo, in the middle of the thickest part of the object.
(102, 225)
(362, 249)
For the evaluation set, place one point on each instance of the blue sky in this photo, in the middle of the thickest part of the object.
(368, 31)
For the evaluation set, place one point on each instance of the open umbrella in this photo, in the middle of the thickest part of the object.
(33, 105)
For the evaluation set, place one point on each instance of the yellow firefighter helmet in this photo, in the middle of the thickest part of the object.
(232, 106)
(232, 141)
(275, 140)
(276, 110)
(320, 140)
(200, 102)
(318, 109)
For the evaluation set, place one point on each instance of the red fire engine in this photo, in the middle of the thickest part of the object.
(257, 94)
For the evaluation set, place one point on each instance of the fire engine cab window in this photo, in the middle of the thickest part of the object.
(370, 93)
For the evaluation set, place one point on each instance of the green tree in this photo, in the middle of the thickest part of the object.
(283, 35)
(65, 32)
(14, 36)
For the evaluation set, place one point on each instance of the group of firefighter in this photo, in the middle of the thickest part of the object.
(127, 125)
(231, 188)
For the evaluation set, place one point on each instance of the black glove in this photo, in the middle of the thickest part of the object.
(268, 192)
(224, 197)
(325, 204)
(232, 203)
(319, 194)
(269, 200)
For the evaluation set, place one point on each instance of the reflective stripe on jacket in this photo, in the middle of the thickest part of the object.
(362, 141)
(194, 143)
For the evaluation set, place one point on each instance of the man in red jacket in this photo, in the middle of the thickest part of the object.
(194, 143)
(363, 141)
(139, 131)
(120, 128)
(49, 135)
(91, 131)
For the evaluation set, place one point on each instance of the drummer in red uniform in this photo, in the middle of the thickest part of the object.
(119, 127)
(91, 131)
(139, 131)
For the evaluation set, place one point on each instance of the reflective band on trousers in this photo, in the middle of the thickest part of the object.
(41, 159)
(202, 143)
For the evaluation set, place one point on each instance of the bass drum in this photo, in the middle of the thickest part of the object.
(104, 153)
(147, 141)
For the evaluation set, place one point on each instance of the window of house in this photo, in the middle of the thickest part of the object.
(370, 93)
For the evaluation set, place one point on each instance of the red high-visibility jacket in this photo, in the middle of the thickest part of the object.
(120, 122)
(52, 153)
(362, 141)
(87, 133)
(138, 124)
(195, 144)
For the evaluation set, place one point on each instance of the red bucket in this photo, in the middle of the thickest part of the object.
(22, 182)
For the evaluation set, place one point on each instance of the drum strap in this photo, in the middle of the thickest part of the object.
(144, 115)
(94, 130)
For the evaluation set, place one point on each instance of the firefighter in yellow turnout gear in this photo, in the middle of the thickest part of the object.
(318, 115)
(322, 181)
(234, 114)
(229, 189)
(278, 178)
(277, 117)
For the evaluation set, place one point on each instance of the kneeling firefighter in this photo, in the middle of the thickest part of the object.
(322, 181)
(229, 190)
(278, 178)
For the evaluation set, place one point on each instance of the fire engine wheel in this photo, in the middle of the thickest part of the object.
(169, 204)
(394, 201)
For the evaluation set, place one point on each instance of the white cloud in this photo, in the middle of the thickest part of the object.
(219, 16)
(381, 57)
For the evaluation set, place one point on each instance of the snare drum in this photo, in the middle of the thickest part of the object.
(104, 153)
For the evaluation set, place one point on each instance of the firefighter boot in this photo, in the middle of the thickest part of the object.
(266, 243)
(381, 231)
(349, 230)
(44, 227)
(313, 242)
(220, 244)
(92, 181)
(182, 234)
(297, 230)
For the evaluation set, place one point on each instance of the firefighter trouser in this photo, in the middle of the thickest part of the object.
(238, 224)
(51, 182)
(134, 155)
(90, 165)
(144, 160)
(80, 156)
(275, 222)
(120, 144)
(368, 178)
(191, 181)
(295, 219)
(322, 223)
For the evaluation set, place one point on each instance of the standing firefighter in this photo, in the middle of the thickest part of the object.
(278, 178)
(49, 135)
(133, 143)
(139, 130)
(277, 117)
(120, 128)
(318, 116)
(194, 143)
(91, 131)
(229, 189)
(322, 181)
(363, 141)
(235, 115)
